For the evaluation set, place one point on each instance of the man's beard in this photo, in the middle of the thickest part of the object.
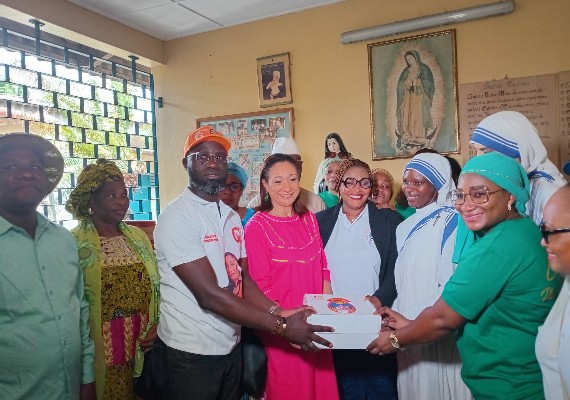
(207, 186)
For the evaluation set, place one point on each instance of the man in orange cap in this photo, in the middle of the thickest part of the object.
(199, 330)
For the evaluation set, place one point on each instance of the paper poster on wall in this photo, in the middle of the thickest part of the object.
(564, 87)
(252, 136)
(536, 97)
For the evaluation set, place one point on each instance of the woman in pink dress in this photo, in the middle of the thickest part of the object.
(286, 259)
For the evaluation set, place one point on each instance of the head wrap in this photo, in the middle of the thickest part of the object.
(504, 172)
(238, 172)
(383, 172)
(322, 170)
(512, 134)
(52, 159)
(436, 169)
(285, 145)
(345, 166)
(90, 179)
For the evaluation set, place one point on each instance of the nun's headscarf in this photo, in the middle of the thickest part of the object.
(238, 172)
(437, 170)
(512, 134)
(90, 179)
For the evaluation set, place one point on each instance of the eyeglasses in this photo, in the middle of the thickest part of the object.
(234, 187)
(343, 154)
(204, 158)
(478, 194)
(365, 183)
(545, 233)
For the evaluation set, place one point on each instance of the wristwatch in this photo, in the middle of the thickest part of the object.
(395, 343)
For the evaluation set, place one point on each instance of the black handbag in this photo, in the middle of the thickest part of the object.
(254, 363)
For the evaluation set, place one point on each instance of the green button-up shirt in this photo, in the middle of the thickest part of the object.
(45, 349)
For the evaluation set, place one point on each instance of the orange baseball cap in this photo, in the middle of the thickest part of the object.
(205, 134)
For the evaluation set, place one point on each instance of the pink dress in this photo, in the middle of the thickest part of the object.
(287, 260)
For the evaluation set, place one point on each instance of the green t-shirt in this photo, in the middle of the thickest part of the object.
(505, 289)
(329, 199)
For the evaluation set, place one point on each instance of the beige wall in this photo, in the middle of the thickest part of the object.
(215, 73)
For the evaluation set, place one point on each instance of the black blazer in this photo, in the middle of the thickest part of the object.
(383, 223)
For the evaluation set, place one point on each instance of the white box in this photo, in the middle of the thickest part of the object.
(350, 316)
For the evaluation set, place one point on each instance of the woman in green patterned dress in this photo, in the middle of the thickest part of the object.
(121, 278)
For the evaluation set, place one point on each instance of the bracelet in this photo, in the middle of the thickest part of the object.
(274, 308)
(277, 328)
(395, 342)
(283, 328)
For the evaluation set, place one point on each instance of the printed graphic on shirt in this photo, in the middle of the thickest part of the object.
(236, 234)
(234, 274)
(210, 238)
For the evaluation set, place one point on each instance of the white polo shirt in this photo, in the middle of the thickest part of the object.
(190, 228)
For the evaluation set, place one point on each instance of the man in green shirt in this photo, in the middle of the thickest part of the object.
(45, 349)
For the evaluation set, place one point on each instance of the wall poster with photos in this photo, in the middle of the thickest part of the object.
(252, 136)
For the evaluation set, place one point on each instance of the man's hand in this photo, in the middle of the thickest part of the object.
(87, 392)
(303, 334)
(286, 313)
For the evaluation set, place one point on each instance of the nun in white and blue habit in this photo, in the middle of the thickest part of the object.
(425, 243)
(512, 134)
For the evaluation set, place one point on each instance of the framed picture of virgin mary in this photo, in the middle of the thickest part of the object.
(413, 95)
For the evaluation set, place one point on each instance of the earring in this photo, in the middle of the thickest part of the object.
(90, 211)
(266, 198)
(509, 207)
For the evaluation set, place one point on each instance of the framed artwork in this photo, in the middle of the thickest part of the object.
(252, 136)
(413, 95)
(274, 80)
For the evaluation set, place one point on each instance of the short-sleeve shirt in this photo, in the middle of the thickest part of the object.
(504, 288)
(188, 229)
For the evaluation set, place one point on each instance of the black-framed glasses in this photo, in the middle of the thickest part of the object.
(342, 155)
(234, 187)
(365, 183)
(478, 194)
(203, 157)
(546, 233)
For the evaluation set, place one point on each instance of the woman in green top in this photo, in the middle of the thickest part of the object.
(501, 291)
(329, 196)
(121, 278)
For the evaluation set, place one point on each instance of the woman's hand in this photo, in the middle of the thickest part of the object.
(146, 342)
(375, 302)
(381, 345)
(392, 319)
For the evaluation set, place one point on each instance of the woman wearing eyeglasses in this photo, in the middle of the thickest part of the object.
(500, 292)
(425, 243)
(334, 148)
(360, 245)
(231, 195)
(553, 340)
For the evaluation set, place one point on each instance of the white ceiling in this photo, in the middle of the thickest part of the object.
(171, 19)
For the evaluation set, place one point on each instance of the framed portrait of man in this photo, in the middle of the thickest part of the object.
(274, 80)
(413, 95)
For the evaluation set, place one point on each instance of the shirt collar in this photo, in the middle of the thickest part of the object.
(42, 224)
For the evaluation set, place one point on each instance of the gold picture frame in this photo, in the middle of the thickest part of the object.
(274, 80)
(252, 136)
(413, 95)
